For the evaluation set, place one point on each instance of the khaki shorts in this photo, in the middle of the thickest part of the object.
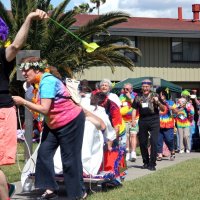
(8, 135)
(131, 130)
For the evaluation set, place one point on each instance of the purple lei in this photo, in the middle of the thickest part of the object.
(3, 30)
(121, 151)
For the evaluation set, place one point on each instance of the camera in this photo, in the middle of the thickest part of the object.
(193, 96)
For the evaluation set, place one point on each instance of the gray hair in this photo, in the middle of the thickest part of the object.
(131, 86)
(106, 81)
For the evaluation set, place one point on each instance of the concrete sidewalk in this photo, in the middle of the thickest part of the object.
(134, 171)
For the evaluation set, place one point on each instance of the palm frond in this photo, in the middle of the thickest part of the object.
(43, 5)
(60, 9)
(107, 40)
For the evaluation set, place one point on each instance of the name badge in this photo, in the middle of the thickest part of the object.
(182, 117)
(144, 105)
(124, 104)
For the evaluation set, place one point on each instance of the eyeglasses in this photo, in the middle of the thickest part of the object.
(126, 88)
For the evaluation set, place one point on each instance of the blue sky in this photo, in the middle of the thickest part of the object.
(54, 2)
(138, 8)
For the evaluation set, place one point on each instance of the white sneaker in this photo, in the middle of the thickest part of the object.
(182, 151)
(133, 156)
(187, 151)
(128, 155)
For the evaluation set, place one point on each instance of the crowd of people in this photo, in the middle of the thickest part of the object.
(160, 125)
(96, 137)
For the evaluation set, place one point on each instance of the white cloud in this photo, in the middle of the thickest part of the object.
(151, 8)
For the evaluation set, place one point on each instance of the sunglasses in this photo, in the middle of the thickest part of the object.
(126, 88)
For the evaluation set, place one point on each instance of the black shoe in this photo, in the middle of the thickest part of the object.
(159, 158)
(172, 157)
(152, 168)
(145, 166)
(51, 196)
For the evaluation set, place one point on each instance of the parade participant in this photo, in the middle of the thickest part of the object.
(63, 126)
(167, 123)
(113, 152)
(126, 99)
(148, 106)
(194, 125)
(184, 118)
(105, 87)
(8, 121)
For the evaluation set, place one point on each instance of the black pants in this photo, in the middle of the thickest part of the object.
(149, 127)
(70, 139)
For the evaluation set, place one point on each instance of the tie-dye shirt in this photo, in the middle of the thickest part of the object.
(62, 110)
(185, 116)
(166, 116)
(126, 109)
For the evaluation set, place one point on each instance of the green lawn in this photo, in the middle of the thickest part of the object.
(180, 182)
(13, 171)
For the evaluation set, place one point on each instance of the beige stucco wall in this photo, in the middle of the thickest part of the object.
(170, 74)
(155, 62)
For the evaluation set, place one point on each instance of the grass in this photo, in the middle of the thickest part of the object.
(180, 182)
(12, 172)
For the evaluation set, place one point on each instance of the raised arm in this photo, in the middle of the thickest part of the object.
(98, 122)
(21, 37)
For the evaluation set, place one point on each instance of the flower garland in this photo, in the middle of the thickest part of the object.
(4, 30)
(35, 65)
(38, 77)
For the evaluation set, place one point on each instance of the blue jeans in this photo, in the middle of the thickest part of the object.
(70, 139)
(166, 135)
(177, 141)
(192, 132)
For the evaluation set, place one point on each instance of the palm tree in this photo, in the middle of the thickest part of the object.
(61, 49)
(98, 3)
(82, 8)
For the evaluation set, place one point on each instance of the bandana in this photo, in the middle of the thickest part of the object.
(146, 83)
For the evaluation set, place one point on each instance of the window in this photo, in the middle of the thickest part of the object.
(130, 55)
(185, 50)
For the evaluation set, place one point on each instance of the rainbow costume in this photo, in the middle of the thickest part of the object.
(185, 116)
(126, 109)
(166, 117)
